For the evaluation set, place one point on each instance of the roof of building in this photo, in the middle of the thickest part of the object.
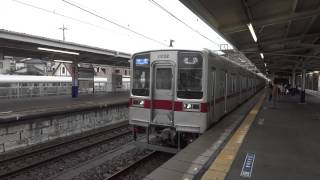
(26, 45)
(288, 31)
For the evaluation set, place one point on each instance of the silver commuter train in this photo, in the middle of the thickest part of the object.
(186, 91)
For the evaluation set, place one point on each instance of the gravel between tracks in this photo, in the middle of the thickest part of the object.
(114, 165)
(61, 164)
(142, 170)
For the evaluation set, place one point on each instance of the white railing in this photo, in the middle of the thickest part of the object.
(312, 92)
(38, 91)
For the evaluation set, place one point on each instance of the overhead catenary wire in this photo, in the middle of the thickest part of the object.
(114, 23)
(184, 23)
(69, 17)
(58, 14)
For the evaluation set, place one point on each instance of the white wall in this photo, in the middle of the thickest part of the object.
(4, 66)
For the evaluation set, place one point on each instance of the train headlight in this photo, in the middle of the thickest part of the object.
(191, 106)
(190, 60)
(138, 102)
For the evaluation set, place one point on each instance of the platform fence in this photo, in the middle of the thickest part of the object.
(40, 91)
(312, 92)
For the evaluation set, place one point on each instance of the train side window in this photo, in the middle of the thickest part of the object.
(163, 78)
(213, 72)
(243, 83)
(231, 84)
(238, 83)
(224, 92)
(247, 83)
(234, 78)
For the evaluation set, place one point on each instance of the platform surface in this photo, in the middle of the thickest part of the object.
(285, 141)
(193, 160)
(15, 109)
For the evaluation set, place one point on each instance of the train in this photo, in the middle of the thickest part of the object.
(18, 86)
(48, 79)
(176, 95)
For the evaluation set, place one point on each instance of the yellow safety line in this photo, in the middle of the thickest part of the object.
(221, 165)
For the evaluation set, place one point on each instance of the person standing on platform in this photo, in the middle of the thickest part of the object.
(269, 91)
(275, 94)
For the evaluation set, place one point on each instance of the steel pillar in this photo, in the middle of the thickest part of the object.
(75, 83)
(293, 81)
(1, 55)
(303, 86)
(1, 61)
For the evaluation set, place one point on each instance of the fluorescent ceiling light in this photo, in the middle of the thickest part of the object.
(252, 32)
(262, 56)
(62, 61)
(316, 72)
(25, 59)
(59, 51)
(265, 64)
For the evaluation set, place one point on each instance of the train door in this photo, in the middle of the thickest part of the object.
(212, 95)
(162, 94)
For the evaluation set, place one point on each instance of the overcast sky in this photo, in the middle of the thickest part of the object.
(45, 17)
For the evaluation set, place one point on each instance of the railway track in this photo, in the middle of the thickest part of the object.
(10, 167)
(126, 170)
(141, 167)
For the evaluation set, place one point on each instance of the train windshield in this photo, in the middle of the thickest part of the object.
(141, 75)
(190, 76)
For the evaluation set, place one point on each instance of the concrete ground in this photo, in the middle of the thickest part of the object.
(285, 141)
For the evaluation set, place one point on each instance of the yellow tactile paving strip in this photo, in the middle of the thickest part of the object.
(221, 165)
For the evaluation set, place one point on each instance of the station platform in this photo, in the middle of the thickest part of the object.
(258, 142)
(285, 141)
(26, 108)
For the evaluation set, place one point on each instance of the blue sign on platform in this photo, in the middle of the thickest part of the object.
(247, 165)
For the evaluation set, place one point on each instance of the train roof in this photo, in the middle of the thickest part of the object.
(154, 50)
(202, 51)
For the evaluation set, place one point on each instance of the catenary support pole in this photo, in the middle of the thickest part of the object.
(303, 85)
(75, 83)
(293, 79)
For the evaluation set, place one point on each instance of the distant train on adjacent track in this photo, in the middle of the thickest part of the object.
(17, 86)
(177, 94)
(48, 79)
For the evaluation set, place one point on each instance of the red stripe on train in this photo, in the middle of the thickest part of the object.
(168, 105)
(178, 106)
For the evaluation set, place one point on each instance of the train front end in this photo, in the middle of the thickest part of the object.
(167, 93)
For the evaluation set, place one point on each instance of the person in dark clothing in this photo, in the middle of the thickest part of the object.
(270, 91)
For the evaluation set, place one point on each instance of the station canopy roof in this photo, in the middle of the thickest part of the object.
(25, 45)
(288, 31)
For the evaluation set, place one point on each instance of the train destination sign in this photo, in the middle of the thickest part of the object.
(142, 61)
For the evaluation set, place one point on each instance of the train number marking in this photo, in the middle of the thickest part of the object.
(248, 165)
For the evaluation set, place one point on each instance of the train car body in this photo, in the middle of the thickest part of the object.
(186, 91)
